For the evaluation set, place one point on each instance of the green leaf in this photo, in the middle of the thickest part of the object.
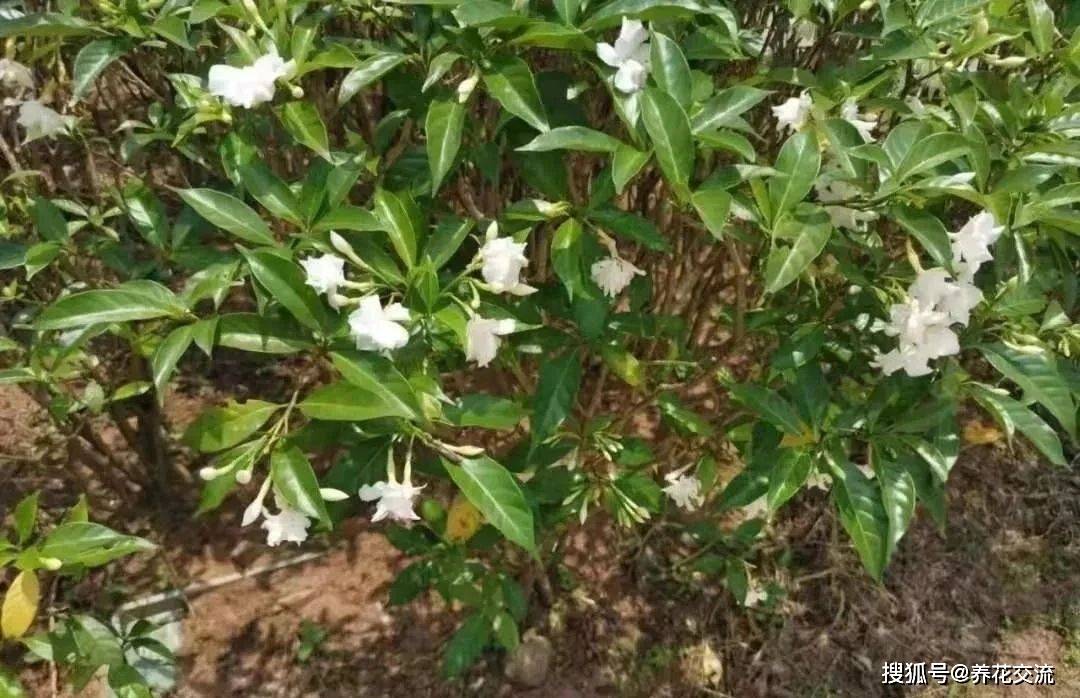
(285, 282)
(446, 239)
(566, 257)
(146, 213)
(775, 409)
(611, 13)
(630, 226)
(302, 121)
(48, 220)
(378, 376)
(219, 428)
(798, 164)
(466, 645)
(669, 130)
(368, 72)
(897, 498)
(296, 481)
(784, 263)
(568, 10)
(134, 300)
(443, 126)
(1037, 373)
(91, 60)
(669, 68)
(1013, 415)
(560, 378)
(625, 165)
(725, 106)
(787, 477)
(167, 355)
(934, 11)
(173, 28)
(230, 214)
(1041, 22)
(485, 411)
(931, 152)
(47, 24)
(348, 218)
(712, 205)
(399, 217)
(345, 402)
(488, 13)
(927, 229)
(493, 490)
(270, 191)
(265, 335)
(510, 82)
(24, 517)
(573, 138)
(89, 544)
(862, 515)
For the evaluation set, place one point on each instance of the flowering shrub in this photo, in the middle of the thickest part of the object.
(541, 260)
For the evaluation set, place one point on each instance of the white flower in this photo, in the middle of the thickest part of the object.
(250, 85)
(818, 480)
(793, 113)
(971, 244)
(375, 328)
(934, 288)
(41, 121)
(863, 123)
(630, 55)
(755, 594)
(13, 73)
(503, 261)
(923, 328)
(286, 526)
(395, 500)
(482, 338)
(684, 490)
(843, 216)
(324, 273)
(614, 274)
(923, 333)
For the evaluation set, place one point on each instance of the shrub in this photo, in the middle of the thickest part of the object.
(540, 260)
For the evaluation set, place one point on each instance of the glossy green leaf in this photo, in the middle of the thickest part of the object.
(560, 378)
(295, 480)
(134, 300)
(510, 81)
(669, 130)
(285, 281)
(219, 428)
(443, 126)
(91, 61)
(230, 214)
(492, 489)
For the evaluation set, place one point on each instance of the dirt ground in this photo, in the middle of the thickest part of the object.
(1002, 585)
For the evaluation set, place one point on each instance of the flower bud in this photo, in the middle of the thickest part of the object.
(51, 563)
(981, 27)
(466, 450)
(866, 5)
(342, 245)
(243, 477)
(329, 494)
(297, 92)
(466, 87)
(208, 473)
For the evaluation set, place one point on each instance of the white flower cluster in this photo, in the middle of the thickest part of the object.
(251, 85)
(629, 56)
(936, 302)
(38, 120)
(684, 490)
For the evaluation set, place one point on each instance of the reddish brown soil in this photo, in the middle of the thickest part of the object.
(1002, 584)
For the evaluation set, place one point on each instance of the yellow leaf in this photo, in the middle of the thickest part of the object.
(20, 605)
(977, 433)
(463, 521)
(804, 439)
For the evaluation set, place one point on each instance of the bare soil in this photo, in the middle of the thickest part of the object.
(1002, 584)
